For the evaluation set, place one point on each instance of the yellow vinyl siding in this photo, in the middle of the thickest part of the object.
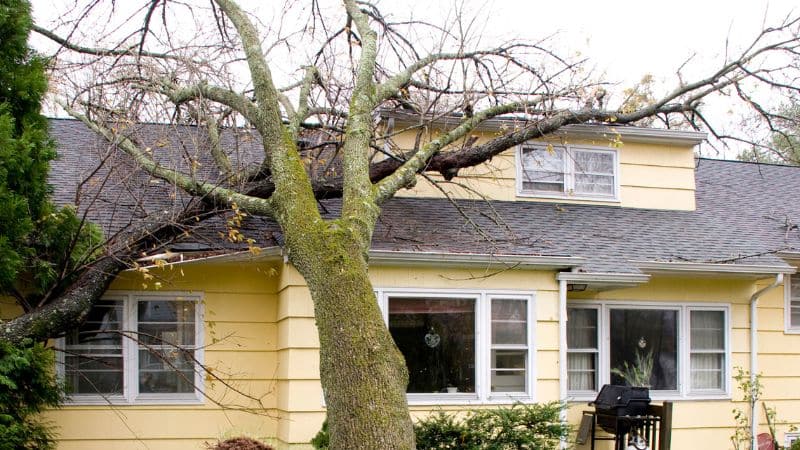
(272, 354)
(650, 176)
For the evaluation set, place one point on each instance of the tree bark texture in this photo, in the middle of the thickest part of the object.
(363, 373)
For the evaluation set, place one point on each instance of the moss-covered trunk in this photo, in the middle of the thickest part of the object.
(363, 373)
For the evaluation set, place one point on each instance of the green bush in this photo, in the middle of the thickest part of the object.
(518, 427)
(27, 386)
(534, 426)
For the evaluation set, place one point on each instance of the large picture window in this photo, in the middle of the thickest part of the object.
(463, 346)
(685, 348)
(135, 347)
(567, 171)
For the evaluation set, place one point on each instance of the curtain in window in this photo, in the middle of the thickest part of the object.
(582, 349)
(543, 169)
(93, 354)
(794, 301)
(509, 344)
(594, 172)
(707, 349)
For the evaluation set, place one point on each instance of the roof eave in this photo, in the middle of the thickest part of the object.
(390, 258)
(713, 269)
(605, 132)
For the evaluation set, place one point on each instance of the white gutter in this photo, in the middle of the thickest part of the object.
(562, 351)
(472, 259)
(754, 352)
(711, 268)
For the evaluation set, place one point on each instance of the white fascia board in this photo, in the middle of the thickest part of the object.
(384, 257)
(574, 131)
(266, 254)
(732, 270)
(603, 278)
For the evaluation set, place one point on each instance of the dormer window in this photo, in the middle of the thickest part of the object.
(567, 172)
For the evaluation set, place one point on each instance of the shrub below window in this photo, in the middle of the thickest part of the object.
(27, 386)
(535, 426)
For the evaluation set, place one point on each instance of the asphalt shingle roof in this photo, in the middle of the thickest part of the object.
(745, 214)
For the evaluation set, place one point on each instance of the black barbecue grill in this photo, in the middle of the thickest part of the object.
(614, 402)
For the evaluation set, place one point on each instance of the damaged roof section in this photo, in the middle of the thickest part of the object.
(746, 213)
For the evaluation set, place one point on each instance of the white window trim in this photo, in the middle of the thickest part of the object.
(483, 337)
(787, 306)
(569, 174)
(684, 391)
(130, 355)
(790, 437)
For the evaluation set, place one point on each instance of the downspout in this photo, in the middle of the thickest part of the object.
(754, 352)
(562, 352)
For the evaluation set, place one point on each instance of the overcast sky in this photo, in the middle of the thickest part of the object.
(622, 39)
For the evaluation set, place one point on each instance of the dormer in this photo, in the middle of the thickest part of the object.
(602, 164)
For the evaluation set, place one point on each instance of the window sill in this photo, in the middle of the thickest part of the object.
(465, 399)
(589, 198)
(792, 331)
(656, 397)
(95, 400)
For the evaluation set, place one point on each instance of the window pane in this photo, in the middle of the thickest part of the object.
(166, 371)
(642, 338)
(594, 184)
(707, 330)
(707, 370)
(582, 371)
(93, 362)
(508, 370)
(794, 303)
(100, 374)
(101, 328)
(509, 321)
(581, 328)
(543, 169)
(166, 331)
(597, 163)
(437, 339)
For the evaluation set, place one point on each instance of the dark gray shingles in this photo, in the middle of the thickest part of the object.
(745, 212)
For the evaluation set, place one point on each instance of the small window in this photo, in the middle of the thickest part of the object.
(509, 345)
(135, 347)
(707, 350)
(567, 171)
(583, 350)
(793, 303)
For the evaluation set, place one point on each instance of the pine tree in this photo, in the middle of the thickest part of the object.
(34, 235)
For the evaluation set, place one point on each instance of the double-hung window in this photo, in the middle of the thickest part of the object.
(684, 348)
(463, 346)
(792, 307)
(567, 171)
(135, 347)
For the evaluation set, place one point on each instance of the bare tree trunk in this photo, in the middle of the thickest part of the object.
(363, 373)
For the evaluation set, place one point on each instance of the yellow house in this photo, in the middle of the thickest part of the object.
(559, 261)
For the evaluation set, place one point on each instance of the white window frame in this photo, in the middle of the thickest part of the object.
(585, 393)
(569, 173)
(790, 437)
(483, 344)
(684, 390)
(787, 308)
(130, 354)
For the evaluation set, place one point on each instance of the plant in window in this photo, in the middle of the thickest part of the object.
(637, 374)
